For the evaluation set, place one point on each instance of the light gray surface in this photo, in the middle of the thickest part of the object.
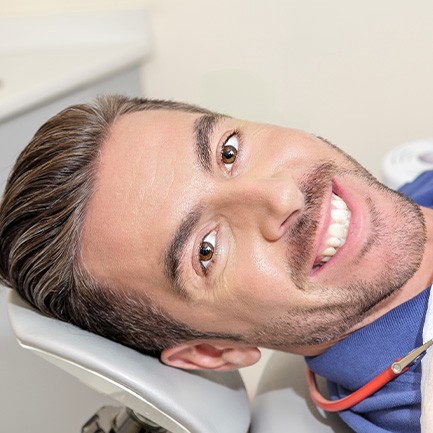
(282, 403)
(202, 402)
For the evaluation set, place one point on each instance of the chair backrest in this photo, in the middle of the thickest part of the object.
(177, 400)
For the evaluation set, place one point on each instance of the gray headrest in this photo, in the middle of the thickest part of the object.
(179, 401)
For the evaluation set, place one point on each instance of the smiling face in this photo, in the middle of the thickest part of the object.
(238, 227)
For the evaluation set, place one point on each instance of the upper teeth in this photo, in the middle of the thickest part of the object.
(337, 230)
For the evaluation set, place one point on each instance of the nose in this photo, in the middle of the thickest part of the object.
(269, 203)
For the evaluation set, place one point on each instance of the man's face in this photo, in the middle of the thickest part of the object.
(244, 228)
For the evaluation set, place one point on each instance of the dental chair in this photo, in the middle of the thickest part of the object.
(155, 398)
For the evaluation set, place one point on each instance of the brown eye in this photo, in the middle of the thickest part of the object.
(229, 151)
(229, 154)
(206, 251)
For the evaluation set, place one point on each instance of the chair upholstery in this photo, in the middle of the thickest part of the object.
(179, 401)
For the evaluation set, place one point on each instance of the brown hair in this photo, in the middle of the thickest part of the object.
(41, 219)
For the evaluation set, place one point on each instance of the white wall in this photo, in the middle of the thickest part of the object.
(358, 73)
(42, 7)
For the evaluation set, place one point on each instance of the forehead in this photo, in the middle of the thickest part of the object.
(140, 194)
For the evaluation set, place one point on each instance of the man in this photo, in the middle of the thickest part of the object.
(199, 237)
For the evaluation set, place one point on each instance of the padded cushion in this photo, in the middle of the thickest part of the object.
(179, 401)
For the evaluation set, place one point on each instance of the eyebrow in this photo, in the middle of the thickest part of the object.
(176, 249)
(203, 129)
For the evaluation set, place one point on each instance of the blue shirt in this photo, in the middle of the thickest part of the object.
(354, 361)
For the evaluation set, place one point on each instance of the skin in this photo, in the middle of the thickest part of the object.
(269, 211)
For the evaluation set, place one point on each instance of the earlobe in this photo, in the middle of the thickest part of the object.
(198, 355)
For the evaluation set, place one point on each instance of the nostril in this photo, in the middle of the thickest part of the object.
(290, 221)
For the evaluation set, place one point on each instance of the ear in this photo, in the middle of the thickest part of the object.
(216, 355)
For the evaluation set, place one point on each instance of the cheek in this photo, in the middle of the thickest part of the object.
(261, 281)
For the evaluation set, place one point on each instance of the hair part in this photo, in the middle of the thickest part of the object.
(41, 221)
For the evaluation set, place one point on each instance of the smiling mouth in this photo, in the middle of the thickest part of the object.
(336, 233)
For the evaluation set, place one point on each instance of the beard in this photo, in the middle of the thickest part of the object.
(396, 246)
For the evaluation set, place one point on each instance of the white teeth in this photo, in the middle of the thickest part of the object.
(329, 251)
(338, 203)
(337, 230)
(339, 215)
(333, 242)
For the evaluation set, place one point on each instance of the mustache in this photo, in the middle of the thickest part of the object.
(313, 185)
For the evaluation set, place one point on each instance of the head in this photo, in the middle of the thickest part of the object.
(178, 231)
(41, 224)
